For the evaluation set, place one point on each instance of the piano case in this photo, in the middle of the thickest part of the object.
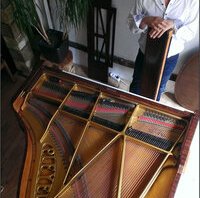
(88, 139)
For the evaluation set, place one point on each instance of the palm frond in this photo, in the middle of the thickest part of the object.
(71, 13)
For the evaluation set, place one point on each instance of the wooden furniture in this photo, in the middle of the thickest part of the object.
(187, 90)
(86, 139)
(100, 39)
(153, 65)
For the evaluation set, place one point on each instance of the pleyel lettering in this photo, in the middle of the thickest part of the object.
(46, 174)
(42, 190)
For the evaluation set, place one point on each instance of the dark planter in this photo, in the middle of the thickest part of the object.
(57, 51)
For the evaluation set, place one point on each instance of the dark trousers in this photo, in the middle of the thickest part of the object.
(168, 69)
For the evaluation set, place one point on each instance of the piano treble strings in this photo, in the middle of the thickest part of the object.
(150, 139)
(52, 89)
(157, 129)
(80, 103)
(112, 114)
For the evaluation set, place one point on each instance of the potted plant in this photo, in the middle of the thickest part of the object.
(53, 44)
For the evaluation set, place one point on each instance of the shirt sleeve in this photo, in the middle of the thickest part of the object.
(187, 30)
(135, 17)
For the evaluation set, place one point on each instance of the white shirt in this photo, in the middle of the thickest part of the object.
(185, 14)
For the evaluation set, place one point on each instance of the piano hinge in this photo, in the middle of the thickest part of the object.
(180, 169)
(22, 93)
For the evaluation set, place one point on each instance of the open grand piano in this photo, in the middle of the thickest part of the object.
(87, 139)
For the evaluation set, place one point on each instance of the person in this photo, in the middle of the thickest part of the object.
(160, 16)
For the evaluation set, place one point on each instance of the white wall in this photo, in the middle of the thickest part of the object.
(79, 36)
(126, 45)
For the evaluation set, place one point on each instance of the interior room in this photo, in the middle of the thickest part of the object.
(100, 55)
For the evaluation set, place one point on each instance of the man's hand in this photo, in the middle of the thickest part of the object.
(150, 21)
(161, 28)
(157, 24)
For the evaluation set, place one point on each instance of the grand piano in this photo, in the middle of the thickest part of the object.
(88, 139)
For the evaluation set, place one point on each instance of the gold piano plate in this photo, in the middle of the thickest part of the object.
(87, 139)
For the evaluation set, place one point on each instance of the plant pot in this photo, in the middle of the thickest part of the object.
(57, 51)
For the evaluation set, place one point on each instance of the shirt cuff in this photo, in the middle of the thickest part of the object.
(138, 21)
(177, 25)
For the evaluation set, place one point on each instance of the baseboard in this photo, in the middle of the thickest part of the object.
(116, 59)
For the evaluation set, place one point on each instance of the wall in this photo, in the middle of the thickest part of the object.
(126, 45)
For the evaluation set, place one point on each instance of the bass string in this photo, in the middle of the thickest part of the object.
(43, 119)
(49, 89)
(74, 127)
(55, 87)
(47, 109)
(60, 140)
(94, 140)
(102, 173)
